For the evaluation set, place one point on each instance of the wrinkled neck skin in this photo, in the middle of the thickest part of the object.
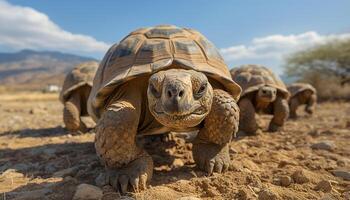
(179, 99)
(304, 96)
(265, 96)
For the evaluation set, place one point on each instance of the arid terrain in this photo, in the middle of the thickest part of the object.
(309, 159)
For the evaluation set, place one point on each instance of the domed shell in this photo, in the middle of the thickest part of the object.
(82, 74)
(296, 88)
(148, 50)
(252, 77)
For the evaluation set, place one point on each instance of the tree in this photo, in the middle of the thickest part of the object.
(330, 59)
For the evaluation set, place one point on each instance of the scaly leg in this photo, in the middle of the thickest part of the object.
(311, 104)
(294, 104)
(71, 112)
(127, 164)
(210, 148)
(281, 113)
(247, 122)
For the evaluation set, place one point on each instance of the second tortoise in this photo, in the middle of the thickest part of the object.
(302, 94)
(263, 92)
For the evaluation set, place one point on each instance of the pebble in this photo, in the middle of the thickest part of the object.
(324, 145)
(300, 177)
(324, 186)
(244, 194)
(285, 181)
(87, 192)
(342, 174)
(177, 163)
(266, 194)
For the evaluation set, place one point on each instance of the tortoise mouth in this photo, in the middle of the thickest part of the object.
(179, 121)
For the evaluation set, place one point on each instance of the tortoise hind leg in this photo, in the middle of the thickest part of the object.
(71, 112)
(127, 164)
(247, 121)
(280, 114)
(210, 148)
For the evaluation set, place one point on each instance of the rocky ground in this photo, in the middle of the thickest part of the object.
(310, 159)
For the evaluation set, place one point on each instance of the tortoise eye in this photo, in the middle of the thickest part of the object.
(154, 91)
(201, 90)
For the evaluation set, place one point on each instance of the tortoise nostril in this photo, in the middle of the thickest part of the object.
(169, 93)
(181, 93)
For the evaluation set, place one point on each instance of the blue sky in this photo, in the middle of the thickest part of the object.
(245, 31)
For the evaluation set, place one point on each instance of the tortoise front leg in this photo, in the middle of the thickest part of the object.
(311, 103)
(294, 104)
(127, 164)
(210, 148)
(247, 121)
(280, 114)
(71, 112)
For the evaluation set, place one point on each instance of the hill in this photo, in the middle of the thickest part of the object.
(31, 69)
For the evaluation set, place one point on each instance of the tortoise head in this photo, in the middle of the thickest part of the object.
(267, 94)
(179, 98)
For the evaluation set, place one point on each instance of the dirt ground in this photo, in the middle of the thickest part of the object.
(309, 159)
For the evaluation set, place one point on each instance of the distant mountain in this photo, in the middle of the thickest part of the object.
(35, 69)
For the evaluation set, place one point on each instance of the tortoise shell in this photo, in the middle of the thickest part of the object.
(82, 74)
(296, 88)
(252, 77)
(148, 50)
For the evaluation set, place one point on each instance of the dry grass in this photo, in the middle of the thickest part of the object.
(32, 96)
(328, 87)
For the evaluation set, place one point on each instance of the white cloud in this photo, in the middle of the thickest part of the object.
(25, 27)
(271, 49)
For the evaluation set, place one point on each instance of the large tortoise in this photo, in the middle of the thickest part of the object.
(263, 92)
(302, 93)
(156, 80)
(75, 93)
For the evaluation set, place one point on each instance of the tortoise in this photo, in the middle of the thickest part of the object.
(75, 93)
(160, 79)
(302, 93)
(262, 92)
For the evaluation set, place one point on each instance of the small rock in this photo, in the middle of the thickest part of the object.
(347, 124)
(266, 194)
(177, 163)
(101, 180)
(300, 177)
(324, 186)
(341, 163)
(315, 133)
(66, 172)
(325, 145)
(244, 194)
(346, 195)
(342, 174)
(285, 181)
(87, 192)
(189, 198)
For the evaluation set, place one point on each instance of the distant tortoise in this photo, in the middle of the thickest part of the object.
(302, 93)
(156, 80)
(263, 92)
(74, 95)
